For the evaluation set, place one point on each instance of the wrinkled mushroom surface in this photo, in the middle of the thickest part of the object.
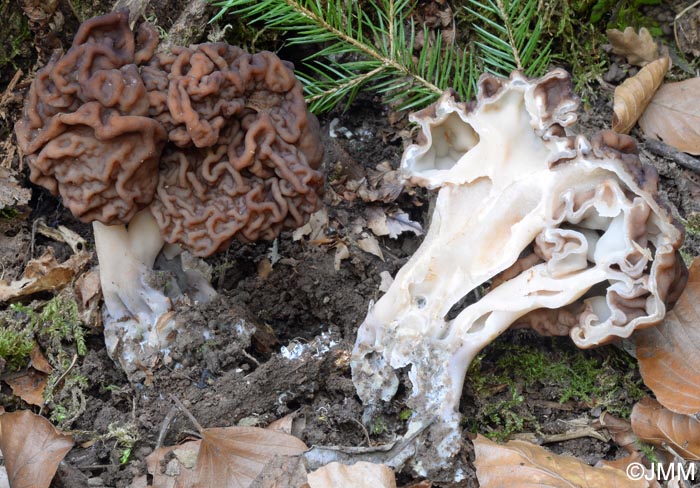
(245, 150)
(85, 131)
(561, 224)
(221, 139)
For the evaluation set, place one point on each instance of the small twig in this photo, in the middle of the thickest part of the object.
(662, 149)
(364, 429)
(184, 410)
(72, 363)
(165, 425)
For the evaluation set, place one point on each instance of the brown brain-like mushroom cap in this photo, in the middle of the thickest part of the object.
(245, 151)
(85, 131)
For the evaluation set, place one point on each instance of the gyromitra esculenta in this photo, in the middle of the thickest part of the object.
(557, 222)
(194, 147)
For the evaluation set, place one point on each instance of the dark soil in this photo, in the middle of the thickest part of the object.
(278, 341)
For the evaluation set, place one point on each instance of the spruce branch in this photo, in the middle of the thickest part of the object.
(510, 36)
(364, 46)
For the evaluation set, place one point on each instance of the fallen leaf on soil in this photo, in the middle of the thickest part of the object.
(38, 360)
(521, 464)
(341, 252)
(232, 457)
(359, 475)
(12, 194)
(29, 386)
(314, 228)
(623, 463)
(657, 425)
(370, 245)
(669, 354)
(32, 449)
(282, 472)
(87, 291)
(391, 223)
(178, 471)
(634, 94)
(44, 274)
(264, 268)
(621, 432)
(673, 116)
(639, 49)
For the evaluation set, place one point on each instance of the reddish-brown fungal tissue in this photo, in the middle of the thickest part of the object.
(86, 134)
(245, 147)
(203, 144)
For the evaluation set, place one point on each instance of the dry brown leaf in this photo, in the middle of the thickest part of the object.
(282, 472)
(173, 466)
(673, 116)
(314, 228)
(392, 223)
(38, 360)
(632, 97)
(669, 354)
(341, 253)
(359, 475)
(639, 49)
(32, 449)
(623, 463)
(232, 457)
(657, 425)
(369, 244)
(29, 386)
(521, 464)
(87, 289)
(44, 274)
(621, 432)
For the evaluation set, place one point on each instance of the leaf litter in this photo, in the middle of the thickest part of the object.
(32, 449)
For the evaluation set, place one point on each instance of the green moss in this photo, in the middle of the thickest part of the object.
(16, 342)
(378, 426)
(15, 34)
(608, 381)
(692, 224)
(59, 331)
(505, 417)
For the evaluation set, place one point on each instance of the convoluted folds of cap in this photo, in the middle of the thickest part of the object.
(85, 131)
(243, 163)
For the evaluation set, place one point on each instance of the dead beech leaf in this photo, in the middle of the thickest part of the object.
(232, 457)
(658, 425)
(282, 472)
(639, 49)
(522, 464)
(359, 475)
(669, 354)
(38, 360)
(174, 466)
(622, 464)
(29, 386)
(369, 244)
(43, 274)
(32, 449)
(634, 94)
(673, 116)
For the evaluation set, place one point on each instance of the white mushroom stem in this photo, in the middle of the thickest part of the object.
(126, 257)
